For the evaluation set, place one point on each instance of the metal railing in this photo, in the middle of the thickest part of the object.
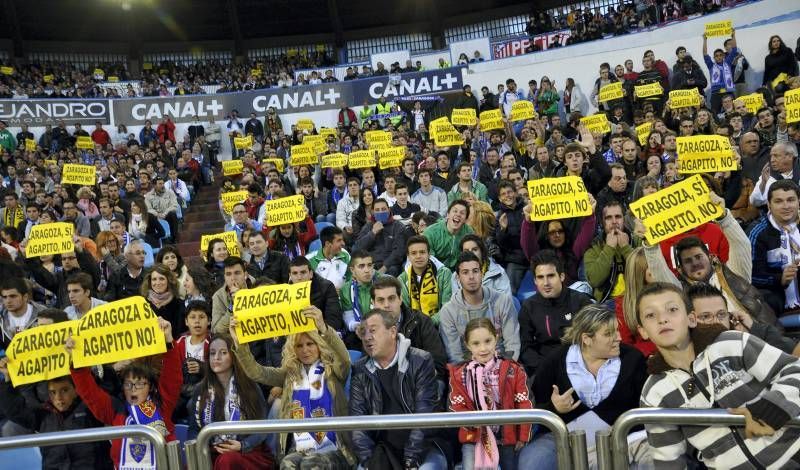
(550, 420)
(639, 416)
(92, 435)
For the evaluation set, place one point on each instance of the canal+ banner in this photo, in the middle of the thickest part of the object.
(182, 109)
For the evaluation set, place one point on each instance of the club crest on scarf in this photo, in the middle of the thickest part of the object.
(312, 399)
(138, 449)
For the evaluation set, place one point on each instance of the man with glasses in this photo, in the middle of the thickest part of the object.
(240, 221)
(82, 225)
(127, 281)
(710, 308)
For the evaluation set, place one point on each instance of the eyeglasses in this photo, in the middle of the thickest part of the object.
(710, 317)
(135, 385)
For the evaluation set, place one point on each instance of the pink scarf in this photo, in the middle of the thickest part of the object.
(479, 388)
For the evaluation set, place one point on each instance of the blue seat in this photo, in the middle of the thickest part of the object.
(182, 432)
(790, 321)
(149, 258)
(354, 356)
(165, 225)
(26, 457)
(517, 305)
(526, 287)
(321, 225)
(315, 245)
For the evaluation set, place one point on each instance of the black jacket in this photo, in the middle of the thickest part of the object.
(388, 247)
(509, 238)
(465, 101)
(418, 388)
(56, 282)
(45, 418)
(276, 267)
(623, 397)
(173, 312)
(122, 285)
(422, 333)
(767, 272)
(325, 298)
(542, 322)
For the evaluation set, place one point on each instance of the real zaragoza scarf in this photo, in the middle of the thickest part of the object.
(425, 293)
(137, 453)
(312, 399)
(232, 411)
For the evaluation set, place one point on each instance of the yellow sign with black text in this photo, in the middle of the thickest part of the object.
(30, 145)
(285, 210)
(705, 154)
(610, 92)
(792, 103)
(278, 162)
(305, 124)
(676, 209)
(228, 237)
(303, 155)
(232, 167)
(38, 354)
(684, 98)
(232, 198)
(361, 159)
(74, 173)
(464, 117)
(522, 110)
(334, 160)
(491, 120)
(243, 143)
(391, 157)
(646, 91)
(272, 311)
(719, 28)
(597, 123)
(116, 331)
(50, 239)
(84, 142)
(558, 198)
(643, 132)
(753, 102)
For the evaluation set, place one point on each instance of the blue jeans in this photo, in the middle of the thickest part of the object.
(508, 457)
(540, 453)
(330, 218)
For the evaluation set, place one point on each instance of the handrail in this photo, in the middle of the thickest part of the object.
(402, 421)
(92, 435)
(675, 416)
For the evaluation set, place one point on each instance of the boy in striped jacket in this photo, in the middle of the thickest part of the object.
(706, 367)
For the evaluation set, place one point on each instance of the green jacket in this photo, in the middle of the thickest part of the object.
(600, 262)
(7, 140)
(335, 270)
(443, 245)
(346, 302)
(478, 189)
(443, 279)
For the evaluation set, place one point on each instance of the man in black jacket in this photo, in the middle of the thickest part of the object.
(544, 316)
(466, 100)
(394, 378)
(265, 262)
(418, 328)
(323, 292)
(385, 239)
(64, 411)
(507, 233)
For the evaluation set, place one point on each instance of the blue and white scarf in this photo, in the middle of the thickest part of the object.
(137, 453)
(232, 411)
(312, 399)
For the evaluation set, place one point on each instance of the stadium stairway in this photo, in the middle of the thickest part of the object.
(203, 217)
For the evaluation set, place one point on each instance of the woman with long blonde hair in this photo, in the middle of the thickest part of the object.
(109, 247)
(313, 371)
(637, 276)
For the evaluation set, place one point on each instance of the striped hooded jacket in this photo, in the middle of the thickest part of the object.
(732, 369)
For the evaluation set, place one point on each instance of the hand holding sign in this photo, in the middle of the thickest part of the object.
(315, 314)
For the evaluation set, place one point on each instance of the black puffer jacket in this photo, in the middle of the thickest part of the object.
(420, 330)
(542, 322)
(508, 238)
(45, 418)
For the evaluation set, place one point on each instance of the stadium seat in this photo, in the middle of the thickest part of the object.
(321, 225)
(149, 258)
(182, 433)
(354, 356)
(167, 232)
(517, 304)
(526, 288)
(26, 457)
(315, 245)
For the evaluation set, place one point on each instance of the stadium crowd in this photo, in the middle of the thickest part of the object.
(434, 276)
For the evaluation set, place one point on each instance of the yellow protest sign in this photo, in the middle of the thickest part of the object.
(684, 98)
(753, 102)
(643, 132)
(305, 124)
(278, 162)
(50, 239)
(7, 70)
(317, 142)
(491, 120)
(448, 139)
(74, 173)
(334, 160)
(303, 155)
(791, 99)
(147, 66)
(243, 143)
(522, 110)
(612, 91)
(782, 77)
(232, 198)
(378, 136)
(84, 142)
(705, 154)
(99, 73)
(441, 125)
(228, 237)
(255, 72)
(116, 331)
(361, 159)
(272, 311)
(327, 131)
(48, 78)
(676, 209)
(391, 157)
(232, 167)
(113, 78)
(47, 163)
(38, 353)
(285, 210)
(464, 117)
(597, 123)
(651, 89)
(558, 198)
(719, 28)
(30, 145)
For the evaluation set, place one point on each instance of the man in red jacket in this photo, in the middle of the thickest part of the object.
(166, 130)
(99, 135)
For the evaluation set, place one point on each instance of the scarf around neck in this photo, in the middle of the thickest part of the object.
(425, 293)
(137, 453)
(232, 411)
(159, 299)
(312, 399)
(787, 252)
(481, 385)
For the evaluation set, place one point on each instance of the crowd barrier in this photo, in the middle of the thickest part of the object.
(611, 445)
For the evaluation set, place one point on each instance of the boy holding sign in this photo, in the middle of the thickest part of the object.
(721, 71)
(143, 403)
